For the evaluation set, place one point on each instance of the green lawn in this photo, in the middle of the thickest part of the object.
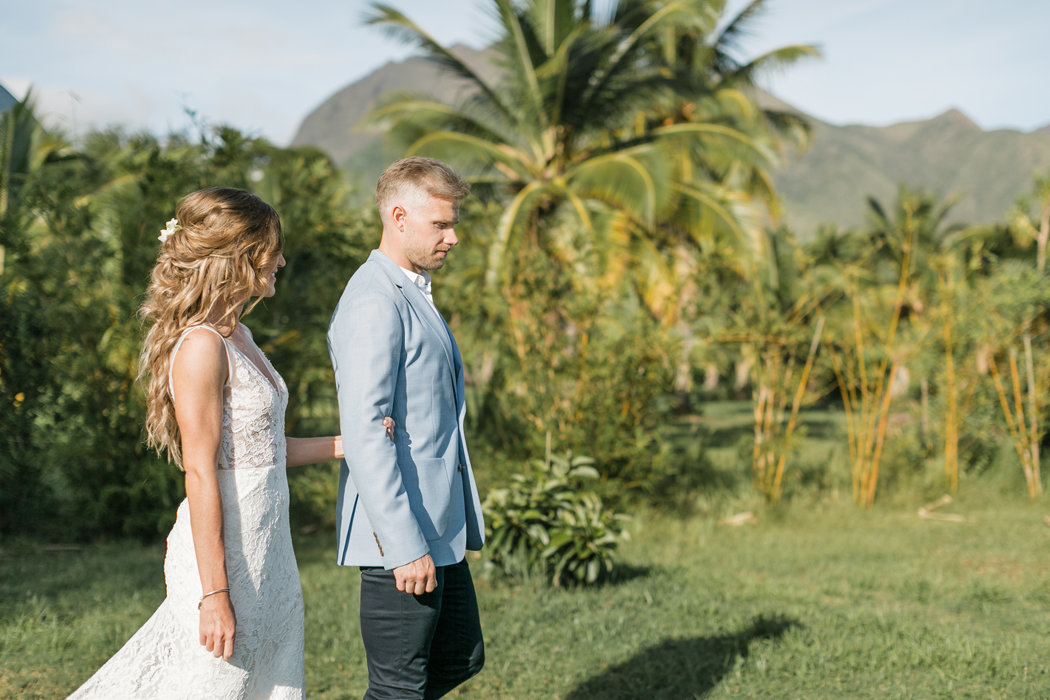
(814, 602)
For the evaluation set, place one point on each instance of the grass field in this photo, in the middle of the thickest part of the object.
(811, 602)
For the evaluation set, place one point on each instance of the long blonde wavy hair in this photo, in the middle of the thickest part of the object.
(226, 241)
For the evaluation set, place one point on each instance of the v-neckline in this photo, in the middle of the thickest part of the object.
(270, 377)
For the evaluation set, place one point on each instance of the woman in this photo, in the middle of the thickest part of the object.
(232, 623)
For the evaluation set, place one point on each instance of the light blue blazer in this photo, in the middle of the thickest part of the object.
(393, 355)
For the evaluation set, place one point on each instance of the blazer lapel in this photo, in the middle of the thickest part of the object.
(414, 296)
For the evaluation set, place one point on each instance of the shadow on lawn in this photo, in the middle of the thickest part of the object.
(680, 668)
(623, 573)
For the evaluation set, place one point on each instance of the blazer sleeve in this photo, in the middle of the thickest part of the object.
(366, 338)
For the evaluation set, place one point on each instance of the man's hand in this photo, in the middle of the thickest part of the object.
(417, 577)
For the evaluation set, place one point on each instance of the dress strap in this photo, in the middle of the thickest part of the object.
(178, 344)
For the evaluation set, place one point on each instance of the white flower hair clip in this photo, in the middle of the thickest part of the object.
(171, 227)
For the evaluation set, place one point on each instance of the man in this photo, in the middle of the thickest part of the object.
(408, 508)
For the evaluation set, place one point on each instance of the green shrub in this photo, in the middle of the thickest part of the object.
(78, 238)
(547, 523)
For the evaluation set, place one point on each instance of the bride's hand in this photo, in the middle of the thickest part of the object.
(218, 625)
(388, 423)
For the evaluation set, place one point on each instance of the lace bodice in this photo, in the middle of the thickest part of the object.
(252, 410)
(253, 418)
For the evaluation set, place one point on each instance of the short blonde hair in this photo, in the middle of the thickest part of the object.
(226, 241)
(415, 176)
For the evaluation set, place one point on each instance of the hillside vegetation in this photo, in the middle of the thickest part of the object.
(825, 184)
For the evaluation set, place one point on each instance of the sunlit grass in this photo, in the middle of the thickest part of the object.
(809, 602)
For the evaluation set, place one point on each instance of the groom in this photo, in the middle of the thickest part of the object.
(408, 508)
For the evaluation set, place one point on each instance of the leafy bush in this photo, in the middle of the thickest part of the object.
(551, 354)
(78, 238)
(546, 522)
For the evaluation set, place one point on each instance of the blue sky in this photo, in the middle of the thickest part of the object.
(263, 65)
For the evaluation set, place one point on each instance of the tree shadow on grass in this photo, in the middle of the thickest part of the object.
(680, 668)
(620, 574)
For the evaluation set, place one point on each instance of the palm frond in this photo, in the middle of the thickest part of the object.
(777, 59)
(729, 39)
(554, 20)
(407, 110)
(729, 209)
(521, 60)
(399, 26)
(622, 52)
(693, 133)
(473, 153)
(507, 223)
(620, 179)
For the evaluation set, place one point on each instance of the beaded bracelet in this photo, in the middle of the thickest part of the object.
(217, 590)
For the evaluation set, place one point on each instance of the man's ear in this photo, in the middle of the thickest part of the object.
(398, 215)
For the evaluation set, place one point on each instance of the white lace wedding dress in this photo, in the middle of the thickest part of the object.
(165, 659)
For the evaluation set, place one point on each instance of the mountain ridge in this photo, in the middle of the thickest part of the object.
(829, 183)
(6, 99)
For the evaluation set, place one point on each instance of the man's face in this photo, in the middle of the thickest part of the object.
(427, 231)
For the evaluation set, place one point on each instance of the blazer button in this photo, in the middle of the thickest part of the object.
(460, 467)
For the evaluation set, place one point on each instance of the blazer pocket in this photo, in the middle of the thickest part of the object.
(435, 492)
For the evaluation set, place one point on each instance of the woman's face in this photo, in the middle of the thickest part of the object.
(266, 286)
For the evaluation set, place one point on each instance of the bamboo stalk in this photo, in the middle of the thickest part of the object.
(951, 420)
(859, 340)
(883, 422)
(797, 403)
(924, 412)
(765, 426)
(1035, 487)
(867, 414)
(1015, 382)
(768, 446)
(898, 306)
(884, 389)
(870, 432)
(1022, 423)
(1011, 424)
(847, 404)
(756, 448)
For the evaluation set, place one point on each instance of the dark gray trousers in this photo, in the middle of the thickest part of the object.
(420, 646)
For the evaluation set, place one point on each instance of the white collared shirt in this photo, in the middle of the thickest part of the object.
(423, 282)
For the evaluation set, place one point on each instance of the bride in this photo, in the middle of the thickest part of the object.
(231, 625)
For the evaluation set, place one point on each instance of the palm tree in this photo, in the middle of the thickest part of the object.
(725, 201)
(26, 151)
(564, 129)
(917, 230)
(720, 101)
(626, 144)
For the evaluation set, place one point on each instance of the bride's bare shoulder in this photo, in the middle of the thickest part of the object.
(199, 362)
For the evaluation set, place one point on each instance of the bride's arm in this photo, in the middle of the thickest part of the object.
(311, 450)
(302, 451)
(198, 374)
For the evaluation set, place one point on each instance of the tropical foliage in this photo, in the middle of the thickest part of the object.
(622, 264)
(79, 235)
(624, 148)
(546, 523)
